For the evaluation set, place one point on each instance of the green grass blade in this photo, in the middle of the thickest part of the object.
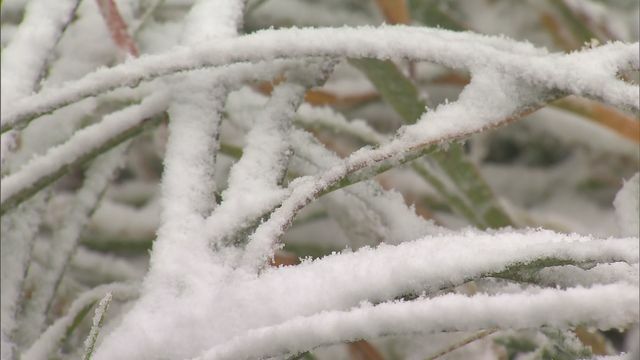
(393, 86)
(479, 206)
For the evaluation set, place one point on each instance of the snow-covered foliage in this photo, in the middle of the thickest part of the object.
(296, 179)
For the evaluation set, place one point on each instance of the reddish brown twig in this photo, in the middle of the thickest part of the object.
(117, 27)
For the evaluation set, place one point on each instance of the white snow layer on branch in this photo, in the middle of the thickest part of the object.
(590, 73)
(200, 112)
(195, 109)
(255, 180)
(208, 100)
(81, 143)
(180, 317)
(188, 184)
(24, 59)
(367, 213)
(604, 306)
(386, 216)
(473, 112)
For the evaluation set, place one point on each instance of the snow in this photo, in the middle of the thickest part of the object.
(37, 138)
(342, 281)
(210, 292)
(25, 57)
(471, 113)
(82, 142)
(188, 182)
(443, 313)
(254, 180)
(590, 72)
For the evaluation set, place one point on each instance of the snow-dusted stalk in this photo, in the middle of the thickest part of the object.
(261, 168)
(84, 145)
(438, 126)
(49, 341)
(437, 262)
(590, 73)
(591, 306)
(18, 233)
(391, 219)
(96, 326)
(210, 291)
(65, 240)
(25, 58)
(316, 117)
(263, 165)
(373, 275)
(188, 183)
(188, 186)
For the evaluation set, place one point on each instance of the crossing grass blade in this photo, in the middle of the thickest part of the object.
(472, 197)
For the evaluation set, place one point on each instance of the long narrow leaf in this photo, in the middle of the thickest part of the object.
(402, 95)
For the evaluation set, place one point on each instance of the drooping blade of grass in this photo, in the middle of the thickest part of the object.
(393, 86)
(399, 92)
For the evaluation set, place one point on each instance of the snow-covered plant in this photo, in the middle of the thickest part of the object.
(295, 179)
